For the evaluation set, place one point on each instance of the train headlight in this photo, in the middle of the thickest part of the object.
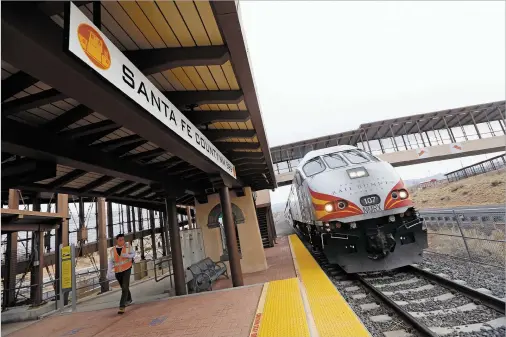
(342, 204)
(403, 194)
(329, 207)
(357, 172)
(353, 225)
(395, 195)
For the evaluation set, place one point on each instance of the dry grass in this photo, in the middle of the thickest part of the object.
(484, 189)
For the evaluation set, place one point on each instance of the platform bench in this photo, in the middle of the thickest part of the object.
(205, 273)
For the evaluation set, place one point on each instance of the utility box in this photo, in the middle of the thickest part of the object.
(140, 270)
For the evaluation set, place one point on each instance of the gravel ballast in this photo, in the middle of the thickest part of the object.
(476, 275)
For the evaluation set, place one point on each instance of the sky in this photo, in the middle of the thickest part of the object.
(324, 67)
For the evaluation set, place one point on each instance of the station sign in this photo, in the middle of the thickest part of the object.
(91, 46)
(66, 268)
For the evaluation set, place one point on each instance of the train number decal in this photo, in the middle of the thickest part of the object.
(370, 200)
(372, 209)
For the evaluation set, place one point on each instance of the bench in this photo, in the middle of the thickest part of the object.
(206, 272)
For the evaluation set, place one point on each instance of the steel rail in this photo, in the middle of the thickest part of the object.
(417, 324)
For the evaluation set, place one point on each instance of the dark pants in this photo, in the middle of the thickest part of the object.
(124, 282)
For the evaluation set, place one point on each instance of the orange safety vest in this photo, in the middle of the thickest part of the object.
(121, 263)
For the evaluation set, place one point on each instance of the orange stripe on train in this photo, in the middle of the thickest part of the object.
(391, 202)
(322, 215)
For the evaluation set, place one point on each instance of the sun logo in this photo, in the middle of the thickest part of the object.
(94, 46)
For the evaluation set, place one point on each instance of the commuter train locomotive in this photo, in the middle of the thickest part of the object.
(355, 208)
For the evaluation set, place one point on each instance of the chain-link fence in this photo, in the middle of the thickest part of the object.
(477, 235)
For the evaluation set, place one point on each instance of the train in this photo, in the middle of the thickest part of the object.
(355, 208)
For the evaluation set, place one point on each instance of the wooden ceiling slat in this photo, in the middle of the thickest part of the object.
(172, 79)
(117, 31)
(141, 21)
(219, 77)
(207, 78)
(157, 19)
(176, 22)
(193, 22)
(183, 78)
(117, 12)
(230, 75)
(207, 16)
(194, 76)
(88, 11)
(163, 82)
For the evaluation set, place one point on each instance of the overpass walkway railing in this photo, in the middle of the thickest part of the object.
(286, 158)
(489, 165)
(471, 234)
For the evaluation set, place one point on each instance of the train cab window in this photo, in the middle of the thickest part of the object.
(334, 160)
(356, 157)
(314, 166)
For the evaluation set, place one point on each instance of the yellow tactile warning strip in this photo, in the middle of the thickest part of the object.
(260, 310)
(283, 312)
(331, 313)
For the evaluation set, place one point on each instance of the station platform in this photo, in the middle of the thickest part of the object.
(292, 298)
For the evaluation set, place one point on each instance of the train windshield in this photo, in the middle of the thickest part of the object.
(356, 157)
(334, 160)
(314, 166)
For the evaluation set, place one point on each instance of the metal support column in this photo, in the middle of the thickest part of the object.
(421, 133)
(153, 235)
(11, 256)
(428, 138)
(134, 226)
(102, 244)
(381, 146)
(229, 227)
(450, 132)
(367, 140)
(475, 126)
(37, 269)
(110, 224)
(393, 138)
(175, 247)
(141, 227)
(82, 223)
(129, 221)
(61, 238)
(162, 234)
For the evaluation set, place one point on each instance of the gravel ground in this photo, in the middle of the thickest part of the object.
(501, 332)
(479, 315)
(436, 305)
(476, 275)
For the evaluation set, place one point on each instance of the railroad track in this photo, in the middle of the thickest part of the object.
(414, 302)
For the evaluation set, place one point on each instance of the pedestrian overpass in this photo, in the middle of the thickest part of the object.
(416, 139)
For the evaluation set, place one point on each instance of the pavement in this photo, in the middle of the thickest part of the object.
(225, 311)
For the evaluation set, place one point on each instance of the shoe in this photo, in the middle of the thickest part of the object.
(128, 303)
(121, 311)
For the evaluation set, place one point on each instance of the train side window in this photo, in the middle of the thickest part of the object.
(334, 160)
(355, 157)
(314, 166)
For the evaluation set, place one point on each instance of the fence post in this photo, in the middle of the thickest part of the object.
(462, 234)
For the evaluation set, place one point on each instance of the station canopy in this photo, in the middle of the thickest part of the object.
(395, 127)
(65, 129)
